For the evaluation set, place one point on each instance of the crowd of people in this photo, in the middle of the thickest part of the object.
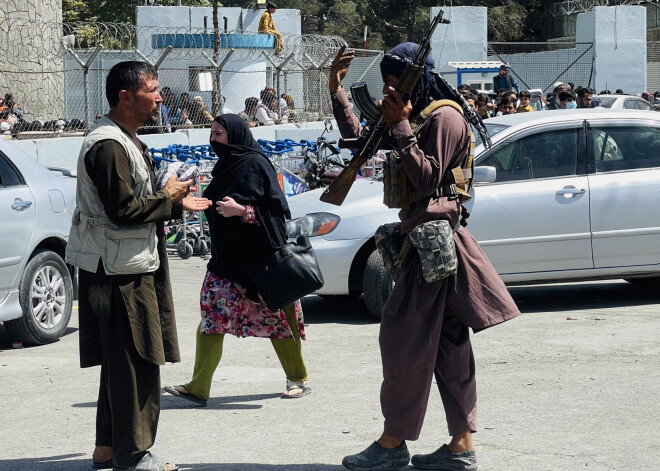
(265, 110)
(507, 98)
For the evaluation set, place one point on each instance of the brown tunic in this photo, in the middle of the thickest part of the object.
(476, 294)
(147, 297)
(424, 330)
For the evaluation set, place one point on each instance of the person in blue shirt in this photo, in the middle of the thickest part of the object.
(505, 80)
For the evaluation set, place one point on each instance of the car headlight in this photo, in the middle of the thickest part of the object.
(313, 224)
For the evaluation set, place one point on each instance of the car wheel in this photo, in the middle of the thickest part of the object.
(378, 282)
(649, 282)
(46, 296)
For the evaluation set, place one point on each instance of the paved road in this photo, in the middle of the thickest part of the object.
(572, 384)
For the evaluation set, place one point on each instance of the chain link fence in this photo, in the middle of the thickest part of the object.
(245, 63)
(539, 65)
(653, 66)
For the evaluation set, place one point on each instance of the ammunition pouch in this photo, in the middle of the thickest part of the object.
(394, 247)
(398, 191)
(434, 241)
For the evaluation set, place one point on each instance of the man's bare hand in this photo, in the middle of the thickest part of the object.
(176, 188)
(339, 67)
(393, 109)
(194, 203)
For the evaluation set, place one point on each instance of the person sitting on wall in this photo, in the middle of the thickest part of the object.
(266, 25)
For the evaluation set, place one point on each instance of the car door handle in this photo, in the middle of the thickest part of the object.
(571, 191)
(20, 205)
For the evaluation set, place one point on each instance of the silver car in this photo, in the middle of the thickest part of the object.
(563, 195)
(36, 286)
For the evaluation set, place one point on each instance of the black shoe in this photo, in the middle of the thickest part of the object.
(377, 458)
(446, 460)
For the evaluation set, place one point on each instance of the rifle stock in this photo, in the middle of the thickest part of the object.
(339, 188)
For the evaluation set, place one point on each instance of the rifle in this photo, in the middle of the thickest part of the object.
(374, 133)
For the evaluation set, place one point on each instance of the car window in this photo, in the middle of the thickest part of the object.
(625, 148)
(543, 155)
(635, 105)
(9, 176)
(492, 129)
(606, 102)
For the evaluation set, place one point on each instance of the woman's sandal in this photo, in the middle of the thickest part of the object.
(296, 386)
(185, 395)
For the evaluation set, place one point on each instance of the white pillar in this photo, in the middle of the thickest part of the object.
(619, 37)
(465, 39)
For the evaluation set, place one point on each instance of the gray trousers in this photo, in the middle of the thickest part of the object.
(414, 346)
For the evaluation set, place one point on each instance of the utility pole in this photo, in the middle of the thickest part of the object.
(215, 93)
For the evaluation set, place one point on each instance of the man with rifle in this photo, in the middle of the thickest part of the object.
(425, 325)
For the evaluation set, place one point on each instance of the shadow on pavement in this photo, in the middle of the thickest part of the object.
(218, 403)
(341, 309)
(5, 341)
(65, 463)
(49, 463)
(258, 467)
(582, 296)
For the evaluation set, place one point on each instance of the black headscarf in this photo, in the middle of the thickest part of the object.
(430, 85)
(244, 173)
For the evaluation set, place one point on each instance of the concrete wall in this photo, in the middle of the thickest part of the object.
(31, 51)
(464, 39)
(63, 151)
(619, 38)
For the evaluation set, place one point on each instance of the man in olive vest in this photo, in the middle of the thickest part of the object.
(117, 241)
(505, 80)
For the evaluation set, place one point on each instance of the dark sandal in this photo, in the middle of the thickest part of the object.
(294, 385)
(185, 395)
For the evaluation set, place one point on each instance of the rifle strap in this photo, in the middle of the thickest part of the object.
(458, 179)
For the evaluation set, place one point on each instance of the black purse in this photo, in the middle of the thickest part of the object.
(289, 273)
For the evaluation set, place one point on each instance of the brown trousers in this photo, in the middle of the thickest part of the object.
(129, 393)
(414, 346)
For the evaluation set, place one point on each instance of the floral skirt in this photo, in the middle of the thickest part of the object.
(226, 309)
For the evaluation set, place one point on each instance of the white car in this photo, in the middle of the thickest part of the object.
(622, 102)
(565, 195)
(36, 286)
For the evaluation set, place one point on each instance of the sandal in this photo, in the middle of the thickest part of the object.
(296, 385)
(150, 463)
(185, 395)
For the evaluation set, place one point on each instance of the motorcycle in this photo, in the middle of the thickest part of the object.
(322, 161)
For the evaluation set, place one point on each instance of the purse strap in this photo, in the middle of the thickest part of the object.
(271, 233)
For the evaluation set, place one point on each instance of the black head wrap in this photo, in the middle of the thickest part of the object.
(430, 85)
(244, 173)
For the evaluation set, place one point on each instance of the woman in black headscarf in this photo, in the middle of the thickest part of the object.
(246, 196)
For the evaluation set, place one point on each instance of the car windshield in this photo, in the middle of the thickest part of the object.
(493, 129)
(606, 102)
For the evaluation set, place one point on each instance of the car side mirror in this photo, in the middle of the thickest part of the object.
(328, 125)
(485, 174)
